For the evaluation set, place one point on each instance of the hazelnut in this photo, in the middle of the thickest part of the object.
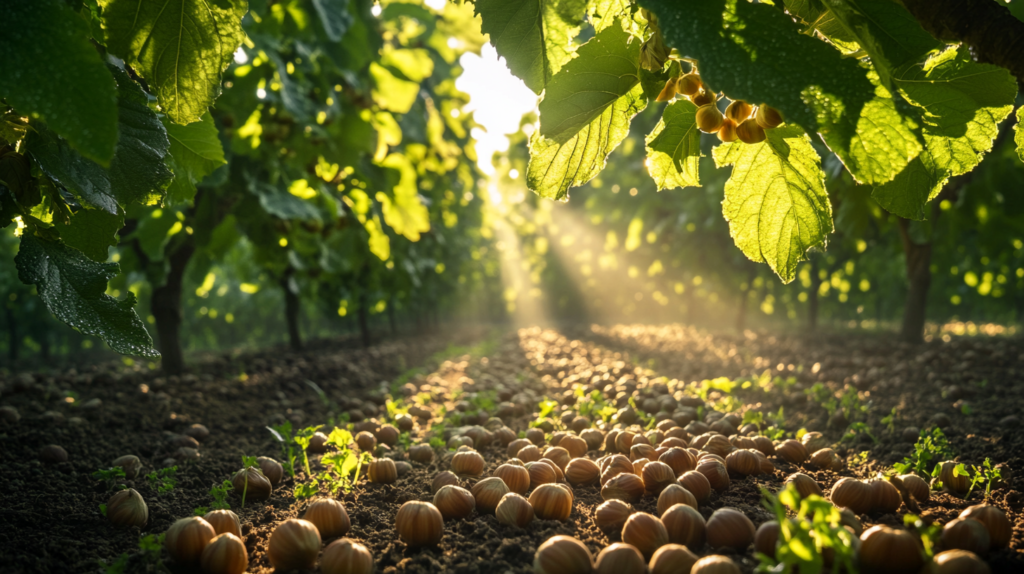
(885, 550)
(318, 443)
(516, 445)
(717, 444)
(563, 555)
(624, 441)
(743, 463)
(504, 436)
(685, 526)
(487, 493)
(183, 440)
(186, 454)
(421, 453)
(625, 486)
(419, 523)
(716, 474)
(675, 494)
(557, 455)
(186, 539)
(541, 472)
(827, 459)
(730, 528)
(535, 435)
(620, 558)
(271, 469)
(916, 486)
(804, 484)
(404, 422)
(593, 438)
(514, 510)
(251, 482)
(610, 515)
(9, 415)
(454, 502)
(884, 496)
(766, 538)
(910, 434)
(646, 532)
(697, 484)
(551, 502)
(387, 434)
(671, 559)
(329, 517)
(679, 459)
(657, 476)
(638, 451)
(853, 494)
(130, 464)
(767, 116)
(582, 472)
(994, 519)
(127, 508)
(224, 521)
(529, 454)
(460, 442)
(575, 446)
(53, 453)
(958, 484)
(382, 471)
(516, 478)
(791, 451)
(346, 556)
(614, 465)
(715, 564)
(966, 534)
(443, 479)
(468, 463)
(366, 441)
(765, 445)
(957, 562)
(294, 545)
(849, 519)
(814, 441)
(225, 554)
(197, 431)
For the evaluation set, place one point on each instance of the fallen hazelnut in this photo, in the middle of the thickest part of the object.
(766, 538)
(805, 485)
(765, 445)
(685, 526)
(504, 436)
(715, 565)
(454, 502)
(318, 443)
(853, 494)
(344, 556)
(9, 415)
(995, 520)
(251, 482)
(888, 550)
(672, 559)
(620, 558)
(791, 451)
(639, 451)
(959, 484)
(294, 545)
(127, 508)
(657, 476)
(387, 434)
(814, 441)
(130, 464)
(675, 494)
(224, 521)
(488, 493)
(404, 422)
(563, 555)
(516, 478)
(884, 496)
(366, 441)
(646, 532)
(419, 523)
(329, 517)
(197, 431)
(468, 464)
(421, 453)
(957, 562)
(679, 459)
(514, 510)
(743, 463)
(271, 469)
(614, 465)
(626, 486)
(186, 539)
(225, 554)
(541, 472)
(966, 534)
(582, 472)
(53, 453)
(730, 528)
(442, 479)
(551, 502)
(382, 471)
(517, 445)
(575, 446)
(697, 484)
(827, 459)
(624, 441)
(611, 515)
(715, 472)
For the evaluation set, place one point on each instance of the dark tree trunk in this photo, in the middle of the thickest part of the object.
(363, 314)
(291, 311)
(166, 309)
(812, 296)
(918, 259)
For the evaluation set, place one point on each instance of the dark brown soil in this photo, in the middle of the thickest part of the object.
(49, 512)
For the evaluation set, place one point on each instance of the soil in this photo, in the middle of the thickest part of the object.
(49, 512)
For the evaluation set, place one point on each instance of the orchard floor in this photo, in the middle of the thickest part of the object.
(49, 512)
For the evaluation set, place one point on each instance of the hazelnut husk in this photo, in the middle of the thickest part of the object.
(619, 558)
(346, 556)
(271, 469)
(966, 534)
(225, 554)
(610, 515)
(454, 502)
(697, 484)
(626, 486)
(730, 528)
(127, 508)
(514, 510)
(258, 488)
(224, 521)
(419, 523)
(329, 517)
(488, 493)
(186, 539)
(582, 472)
(646, 532)
(563, 555)
(995, 520)
(805, 485)
(885, 549)
(294, 545)
(552, 502)
(685, 526)
(382, 471)
(516, 478)
(657, 476)
(675, 494)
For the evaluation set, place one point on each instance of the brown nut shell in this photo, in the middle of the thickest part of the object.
(697, 484)
(619, 558)
(186, 539)
(225, 554)
(224, 521)
(563, 555)
(582, 472)
(646, 532)
(889, 551)
(995, 520)
(610, 515)
(419, 524)
(488, 493)
(294, 545)
(346, 556)
(514, 510)
(551, 502)
(626, 486)
(730, 528)
(685, 526)
(675, 494)
(127, 508)
(672, 559)
(454, 502)
(329, 516)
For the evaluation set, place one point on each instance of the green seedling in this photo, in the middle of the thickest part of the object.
(929, 534)
(546, 407)
(343, 467)
(111, 476)
(103, 509)
(283, 434)
(985, 474)
(804, 538)
(438, 443)
(163, 480)
(248, 462)
(150, 546)
(856, 429)
(929, 449)
(302, 438)
(220, 495)
(307, 490)
(889, 421)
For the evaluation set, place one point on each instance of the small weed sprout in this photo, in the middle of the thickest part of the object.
(111, 476)
(283, 434)
(929, 449)
(220, 496)
(303, 438)
(803, 538)
(889, 421)
(985, 474)
(163, 480)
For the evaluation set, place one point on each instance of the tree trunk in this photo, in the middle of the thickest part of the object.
(291, 311)
(812, 297)
(363, 315)
(918, 259)
(166, 309)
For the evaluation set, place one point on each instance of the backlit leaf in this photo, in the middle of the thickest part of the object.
(195, 152)
(673, 147)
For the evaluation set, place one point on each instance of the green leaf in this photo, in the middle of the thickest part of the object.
(775, 200)
(50, 71)
(334, 16)
(137, 172)
(91, 231)
(604, 13)
(534, 36)
(415, 64)
(1019, 135)
(755, 52)
(673, 147)
(280, 203)
(72, 287)
(555, 167)
(883, 29)
(961, 104)
(195, 152)
(390, 92)
(605, 69)
(181, 47)
(401, 205)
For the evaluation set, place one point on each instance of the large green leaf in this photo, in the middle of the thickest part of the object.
(883, 29)
(181, 47)
(534, 36)
(403, 211)
(334, 16)
(755, 52)
(775, 199)
(604, 13)
(673, 147)
(391, 92)
(1019, 135)
(961, 104)
(91, 231)
(605, 69)
(137, 172)
(49, 70)
(555, 167)
(195, 152)
(73, 289)
(280, 203)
